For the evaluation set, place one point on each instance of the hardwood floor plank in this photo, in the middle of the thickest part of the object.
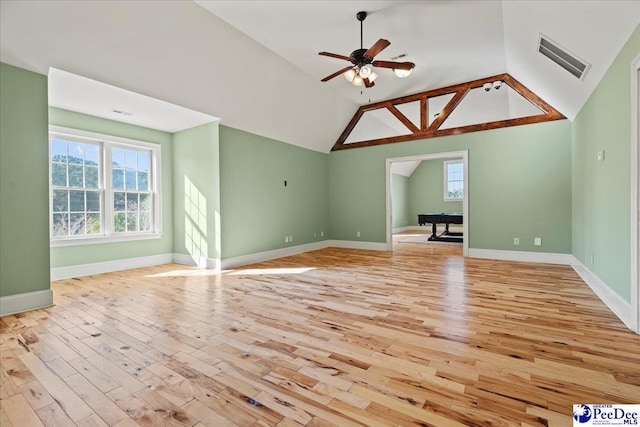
(36, 395)
(108, 411)
(54, 416)
(19, 412)
(72, 405)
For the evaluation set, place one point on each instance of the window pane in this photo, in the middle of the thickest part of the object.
(76, 225)
(91, 155)
(145, 202)
(118, 179)
(59, 150)
(75, 176)
(130, 180)
(132, 221)
(132, 202)
(75, 152)
(59, 174)
(60, 227)
(118, 201)
(120, 222)
(76, 199)
(60, 201)
(130, 160)
(90, 177)
(93, 223)
(143, 161)
(145, 221)
(143, 181)
(93, 201)
(117, 158)
(455, 167)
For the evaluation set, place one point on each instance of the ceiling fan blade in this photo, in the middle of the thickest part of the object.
(377, 47)
(335, 55)
(368, 83)
(394, 65)
(337, 73)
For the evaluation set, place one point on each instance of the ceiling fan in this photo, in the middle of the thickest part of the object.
(361, 72)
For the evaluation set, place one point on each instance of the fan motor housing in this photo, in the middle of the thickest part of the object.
(358, 57)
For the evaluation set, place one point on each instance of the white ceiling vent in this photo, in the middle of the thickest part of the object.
(563, 57)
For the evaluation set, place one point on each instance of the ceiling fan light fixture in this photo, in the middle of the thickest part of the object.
(358, 81)
(365, 71)
(402, 73)
(373, 76)
(350, 74)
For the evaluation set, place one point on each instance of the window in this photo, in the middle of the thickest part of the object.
(102, 188)
(453, 180)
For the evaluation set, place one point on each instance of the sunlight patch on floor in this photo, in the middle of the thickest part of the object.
(260, 271)
(186, 273)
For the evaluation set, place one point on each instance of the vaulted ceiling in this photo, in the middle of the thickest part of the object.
(255, 65)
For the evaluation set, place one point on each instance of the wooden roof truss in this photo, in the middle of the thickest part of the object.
(426, 130)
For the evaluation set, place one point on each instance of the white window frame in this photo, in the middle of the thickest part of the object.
(107, 143)
(445, 180)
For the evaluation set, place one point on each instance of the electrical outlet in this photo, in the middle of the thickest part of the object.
(315, 235)
(322, 234)
(516, 241)
(357, 234)
(286, 239)
(537, 241)
(592, 258)
(290, 238)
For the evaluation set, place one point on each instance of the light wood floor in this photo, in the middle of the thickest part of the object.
(417, 337)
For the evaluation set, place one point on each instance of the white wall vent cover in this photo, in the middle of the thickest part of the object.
(563, 57)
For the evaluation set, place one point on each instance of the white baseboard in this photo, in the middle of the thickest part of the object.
(73, 271)
(539, 257)
(242, 260)
(201, 262)
(354, 244)
(615, 302)
(19, 303)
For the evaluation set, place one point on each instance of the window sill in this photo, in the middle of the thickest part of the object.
(97, 240)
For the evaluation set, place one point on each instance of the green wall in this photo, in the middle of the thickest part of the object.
(86, 254)
(516, 188)
(196, 189)
(257, 209)
(399, 200)
(426, 191)
(24, 182)
(601, 189)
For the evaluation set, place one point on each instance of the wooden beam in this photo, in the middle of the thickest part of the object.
(405, 121)
(448, 109)
(424, 113)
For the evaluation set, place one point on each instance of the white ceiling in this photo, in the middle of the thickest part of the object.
(70, 92)
(260, 70)
(450, 41)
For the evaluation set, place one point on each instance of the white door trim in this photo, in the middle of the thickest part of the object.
(464, 154)
(635, 192)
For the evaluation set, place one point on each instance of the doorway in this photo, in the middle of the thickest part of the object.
(464, 156)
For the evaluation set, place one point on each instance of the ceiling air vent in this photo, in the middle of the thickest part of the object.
(563, 57)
